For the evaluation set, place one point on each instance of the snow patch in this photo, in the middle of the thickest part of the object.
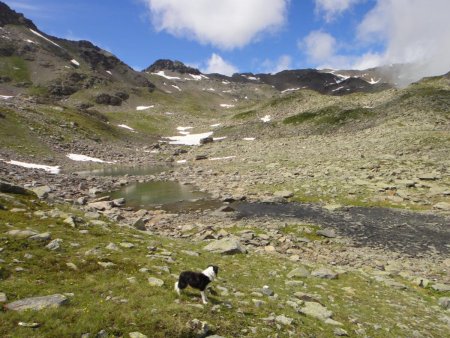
(248, 138)
(184, 128)
(109, 72)
(372, 81)
(215, 125)
(338, 88)
(341, 77)
(75, 62)
(125, 127)
(266, 118)
(43, 37)
(30, 41)
(224, 105)
(161, 73)
(181, 161)
(211, 89)
(221, 158)
(84, 158)
(219, 138)
(5, 97)
(290, 90)
(177, 88)
(225, 82)
(188, 140)
(50, 169)
(144, 107)
(198, 77)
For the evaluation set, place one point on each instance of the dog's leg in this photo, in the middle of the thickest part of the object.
(204, 299)
(177, 289)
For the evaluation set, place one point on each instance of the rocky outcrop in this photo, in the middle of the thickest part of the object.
(173, 66)
(38, 303)
(10, 17)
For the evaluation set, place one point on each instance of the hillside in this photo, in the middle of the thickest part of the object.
(327, 192)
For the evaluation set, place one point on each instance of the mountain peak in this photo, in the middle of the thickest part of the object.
(11, 17)
(173, 66)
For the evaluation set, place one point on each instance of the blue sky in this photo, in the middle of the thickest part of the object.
(254, 35)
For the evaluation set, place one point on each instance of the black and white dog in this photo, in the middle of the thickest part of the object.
(197, 280)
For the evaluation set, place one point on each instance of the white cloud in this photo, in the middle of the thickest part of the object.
(282, 63)
(226, 24)
(216, 64)
(332, 8)
(413, 31)
(318, 46)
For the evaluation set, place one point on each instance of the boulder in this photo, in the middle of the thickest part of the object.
(444, 302)
(206, 140)
(300, 272)
(38, 303)
(225, 246)
(21, 233)
(42, 191)
(9, 188)
(324, 273)
(328, 233)
(316, 310)
(152, 281)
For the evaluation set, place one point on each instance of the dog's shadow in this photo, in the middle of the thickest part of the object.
(190, 297)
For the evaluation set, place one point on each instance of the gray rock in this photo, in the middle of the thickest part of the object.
(42, 191)
(21, 233)
(106, 265)
(226, 208)
(55, 244)
(3, 298)
(300, 272)
(316, 310)
(282, 319)
(442, 206)
(324, 273)
(340, 332)
(101, 206)
(441, 287)
(38, 303)
(152, 281)
(113, 247)
(328, 232)
(118, 202)
(225, 246)
(71, 221)
(444, 302)
(127, 245)
(267, 291)
(45, 236)
(199, 328)
(140, 222)
(137, 335)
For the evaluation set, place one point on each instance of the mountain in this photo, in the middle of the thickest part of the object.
(31, 58)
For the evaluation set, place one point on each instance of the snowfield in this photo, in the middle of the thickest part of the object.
(84, 158)
(144, 107)
(51, 169)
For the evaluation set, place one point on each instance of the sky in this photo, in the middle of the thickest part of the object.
(258, 36)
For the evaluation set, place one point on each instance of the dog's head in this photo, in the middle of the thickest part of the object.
(215, 269)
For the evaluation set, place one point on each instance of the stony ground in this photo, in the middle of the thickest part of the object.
(346, 223)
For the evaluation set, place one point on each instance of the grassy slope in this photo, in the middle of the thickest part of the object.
(105, 299)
